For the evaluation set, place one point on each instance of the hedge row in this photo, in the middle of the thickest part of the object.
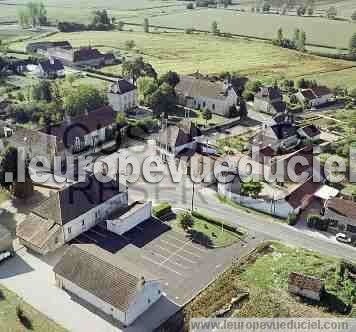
(161, 209)
(217, 222)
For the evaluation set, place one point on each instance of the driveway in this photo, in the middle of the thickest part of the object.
(33, 280)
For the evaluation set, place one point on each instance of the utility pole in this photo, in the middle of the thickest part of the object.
(193, 192)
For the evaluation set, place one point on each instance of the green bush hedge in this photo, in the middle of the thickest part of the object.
(217, 222)
(161, 209)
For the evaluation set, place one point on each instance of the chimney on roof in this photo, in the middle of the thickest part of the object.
(51, 61)
(142, 282)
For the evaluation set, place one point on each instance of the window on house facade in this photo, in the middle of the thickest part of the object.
(159, 291)
(149, 300)
(204, 103)
(351, 229)
(83, 223)
(213, 106)
(69, 230)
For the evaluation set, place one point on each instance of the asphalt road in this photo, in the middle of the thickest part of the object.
(180, 195)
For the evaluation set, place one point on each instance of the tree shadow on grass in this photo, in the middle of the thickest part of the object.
(334, 304)
(200, 238)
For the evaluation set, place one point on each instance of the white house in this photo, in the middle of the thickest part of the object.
(269, 100)
(314, 97)
(122, 221)
(172, 140)
(70, 212)
(201, 93)
(51, 68)
(108, 282)
(122, 96)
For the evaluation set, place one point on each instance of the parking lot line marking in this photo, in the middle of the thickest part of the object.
(87, 236)
(173, 245)
(192, 245)
(163, 266)
(182, 257)
(173, 254)
(164, 257)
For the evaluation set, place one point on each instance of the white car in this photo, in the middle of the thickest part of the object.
(343, 238)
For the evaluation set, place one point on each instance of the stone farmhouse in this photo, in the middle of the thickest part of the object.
(122, 96)
(108, 282)
(269, 100)
(42, 48)
(201, 93)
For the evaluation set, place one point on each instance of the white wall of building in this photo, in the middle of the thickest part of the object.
(123, 102)
(150, 293)
(92, 299)
(123, 224)
(279, 208)
(94, 216)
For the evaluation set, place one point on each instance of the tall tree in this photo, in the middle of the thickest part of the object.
(171, 78)
(207, 115)
(146, 25)
(352, 46)
(353, 16)
(280, 35)
(214, 28)
(136, 68)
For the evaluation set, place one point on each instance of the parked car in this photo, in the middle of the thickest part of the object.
(343, 238)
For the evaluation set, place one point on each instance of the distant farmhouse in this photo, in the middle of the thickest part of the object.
(108, 282)
(51, 68)
(42, 48)
(269, 100)
(122, 96)
(200, 93)
(314, 97)
(68, 137)
(84, 56)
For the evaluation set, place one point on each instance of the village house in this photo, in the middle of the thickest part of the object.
(341, 215)
(201, 93)
(108, 282)
(70, 212)
(173, 139)
(269, 100)
(69, 137)
(122, 96)
(51, 68)
(42, 48)
(314, 97)
(305, 286)
(84, 56)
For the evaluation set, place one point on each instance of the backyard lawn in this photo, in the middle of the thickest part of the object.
(207, 233)
(264, 277)
(183, 53)
(32, 320)
(4, 196)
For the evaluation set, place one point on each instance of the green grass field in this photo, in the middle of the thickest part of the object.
(346, 77)
(9, 321)
(319, 30)
(208, 54)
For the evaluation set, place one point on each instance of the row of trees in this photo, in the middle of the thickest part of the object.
(297, 43)
(33, 14)
(100, 21)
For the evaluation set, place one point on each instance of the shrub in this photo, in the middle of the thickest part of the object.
(161, 209)
(292, 219)
(185, 220)
(190, 6)
(313, 221)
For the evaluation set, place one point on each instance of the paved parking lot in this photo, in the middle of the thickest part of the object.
(183, 267)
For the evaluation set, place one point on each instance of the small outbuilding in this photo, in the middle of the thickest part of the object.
(306, 286)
